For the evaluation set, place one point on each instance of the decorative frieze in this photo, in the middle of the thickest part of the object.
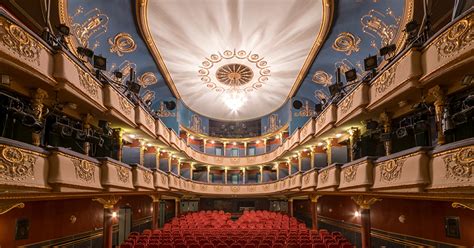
(84, 170)
(19, 42)
(16, 165)
(459, 164)
(123, 174)
(391, 170)
(88, 83)
(349, 173)
(456, 38)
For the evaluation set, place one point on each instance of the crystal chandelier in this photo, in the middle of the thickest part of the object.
(234, 99)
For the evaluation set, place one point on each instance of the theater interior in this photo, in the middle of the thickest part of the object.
(236, 123)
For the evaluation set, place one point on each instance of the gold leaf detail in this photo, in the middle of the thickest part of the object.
(391, 170)
(346, 43)
(456, 38)
(84, 170)
(459, 165)
(19, 42)
(123, 174)
(16, 165)
(122, 43)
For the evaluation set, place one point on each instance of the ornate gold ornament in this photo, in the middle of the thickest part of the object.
(466, 205)
(306, 179)
(88, 83)
(122, 43)
(324, 176)
(147, 79)
(346, 43)
(109, 201)
(203, 187)
(459, 165)
(350, 173)
(84, 169)
(375, 24)
(234, 75)
(39, 95)
(293, 181)
(94, 26)
(266, 187)
(16, 165)
(346, 103)
(315, 198)
(163, 179)
(9, 205)
(149, 120)
(385, 80)
(321, 119)
(218, 188)
(125, 105)
(19, 42)
(322, 78)
(235, 189)
(320, 95)
(123, 174)
(163, 112)
(391, 170)
(456, 38)
(363, 202)
(252, 188)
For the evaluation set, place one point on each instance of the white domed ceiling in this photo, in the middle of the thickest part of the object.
(234, 60)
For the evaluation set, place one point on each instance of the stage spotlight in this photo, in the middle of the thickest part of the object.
(170, 105)
(370, 63)
(133, 87)
(335, 89)
(100, 63)
(411, 27)
(63, 29)
(297, 104)
(83, 51)
(118, 74)
(351, 75)
(318, 107)
(388, 50)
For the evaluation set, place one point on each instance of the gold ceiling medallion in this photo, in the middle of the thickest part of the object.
(376, 24)
(163, 112)
(322, 78)
(459, 165)
(255, 71)
(95, 25)
(147, 79)
(84, 170)
(122, 43)
(391, 170)
(16, 165)
(123, 174)
(19, 42)
(234, 75)
(346, 43)
(459, 36)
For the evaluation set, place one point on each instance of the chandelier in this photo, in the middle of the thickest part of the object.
(234, 98)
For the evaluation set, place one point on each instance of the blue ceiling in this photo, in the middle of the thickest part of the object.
(350, 27)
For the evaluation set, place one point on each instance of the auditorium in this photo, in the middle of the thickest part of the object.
(236, 123)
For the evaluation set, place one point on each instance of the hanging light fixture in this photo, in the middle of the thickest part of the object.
(234, 99)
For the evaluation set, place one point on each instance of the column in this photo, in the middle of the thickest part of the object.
(225, 175)
(86, 125)
(204, 143)
(225, 145)
(142, 152)
(329, 150)
(245, 148)
(314, 211)
(118, 137)
(243, 173)
(38, 97)
(155, 217)
(191, 169)
(440, 100)
(299, 161)
(289, 166)
(387, 128)
(277, 171)
(312, 157)
(364, 210)
(264, 145)
(108, 203)
(177, 207)
(290, 207)
(354, 136)
(179, 167)
(261, 173)
(170, 158)
(208, 172)
(157, 158)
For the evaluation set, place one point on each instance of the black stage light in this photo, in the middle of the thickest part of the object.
(118, 74)
(411, 27)
(100, 63)
(170, 105)
(83, 51)
(371, 125)
(318, 107)
(297, 104)
(370, 63)
(334, 89)
(63, 29)
(351, 75)
(133, 87)
(387, 50)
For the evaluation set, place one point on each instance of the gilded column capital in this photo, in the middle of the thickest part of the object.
(365, 202)
(108, 201)
(314, 198)
(290, 200)
(465, 204)
(37, 102)
(155, 198)
(438, 95)
(9, 205)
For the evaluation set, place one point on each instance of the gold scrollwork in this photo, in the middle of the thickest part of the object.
(147, 177)
(346, 104)
(235, 189)
(163, 179)
(109, 201)
(122, 43)
(456, 38)
(466, 205)
(346, 43)
(324, 176)
(123, 174)
(203, 187)
(266, 187)
(252, 188)
(391, 170)
(322, 78)
(9, 205)
(385, 80)
(147, 79)
(306, 179)
(84, 170)
(16, 165)
(18, 41)
(365, 202)
(218, 188)
(149, 120)
(125, 105)
(88, 83)
(350, 173)
(459, 164)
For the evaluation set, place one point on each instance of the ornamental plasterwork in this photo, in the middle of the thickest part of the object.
(376, 24)
(350, 173)
(203, 187)
(234, 69)
(163, 112)
(19, 42)
(266, 187)
(324, 176)
(88, 83)
(147, 176)
(218, 188)
(125, 105)
(385, 80)
(235, 189)
(123, 174)
(391, 170)
(84, 169)
(252, 188)
(320, 95)
(323, 78)
(149, 120)
(16, 165)
(163, 179)
(147, 79)
(456, 38)
(122, 43)
(94, 26)
(459, 164)
(306, 179)
(346, 104)
(347, 43)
